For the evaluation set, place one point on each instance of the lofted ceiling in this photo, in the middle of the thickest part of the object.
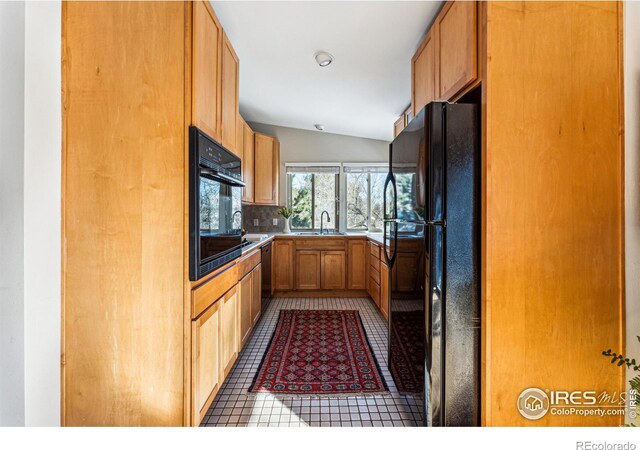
(361, 93)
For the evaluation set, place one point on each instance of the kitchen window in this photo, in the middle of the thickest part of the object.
(364, 196)
(310, 191)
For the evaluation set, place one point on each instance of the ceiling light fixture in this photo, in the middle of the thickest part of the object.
(319, 127)
(323, 59)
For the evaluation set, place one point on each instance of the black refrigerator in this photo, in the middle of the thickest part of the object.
(432, 248)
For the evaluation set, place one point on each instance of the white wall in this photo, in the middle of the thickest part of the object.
(298, 145)
(11, 213)
(42, 157)
(30, 169)
(632, 173)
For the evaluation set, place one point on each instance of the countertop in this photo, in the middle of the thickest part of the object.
(376, 237)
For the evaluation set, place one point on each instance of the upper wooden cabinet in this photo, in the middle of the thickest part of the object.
(206, 69)
(247, 162)
(423, 74)
(398, 126)
(266, 169)
(457, 41)
(229, 97)
(447, 60)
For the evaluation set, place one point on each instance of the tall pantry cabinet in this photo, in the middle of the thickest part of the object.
(128, 323)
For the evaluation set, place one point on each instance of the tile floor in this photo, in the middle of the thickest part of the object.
(234, 407)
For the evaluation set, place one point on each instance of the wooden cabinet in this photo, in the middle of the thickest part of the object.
(256, 294)
(423, 74)
(283, 264)
(206, 371)
(446, 63)
(356, 264)
(206, 69)
(456, 27)
(398, 126)
(384, 290)
(333, 270)
(245, 288)
(247, 162)
(266, 169)
(308, 269)
(229, 97)
(228, 330)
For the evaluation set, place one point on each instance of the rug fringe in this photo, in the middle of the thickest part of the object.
(293, 396)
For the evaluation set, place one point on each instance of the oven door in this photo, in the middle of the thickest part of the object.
(220, 223)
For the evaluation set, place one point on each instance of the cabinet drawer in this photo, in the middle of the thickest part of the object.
(212, 290)
(321, 243)
(374, 264)
(374, 273)
(374, 250)
(374, 291)
(248, 262)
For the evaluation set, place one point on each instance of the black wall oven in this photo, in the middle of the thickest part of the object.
(215, 205)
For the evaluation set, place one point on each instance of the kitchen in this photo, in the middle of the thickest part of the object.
(208, 214)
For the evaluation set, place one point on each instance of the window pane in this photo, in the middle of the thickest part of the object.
(209, 204)
(377, 195)
(357, 201)
(300, 185)
(406, 200)
(325, 199)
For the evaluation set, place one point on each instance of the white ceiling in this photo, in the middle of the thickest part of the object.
(361, 93)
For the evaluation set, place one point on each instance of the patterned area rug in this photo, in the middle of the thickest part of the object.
(408, 352)
(319, 352)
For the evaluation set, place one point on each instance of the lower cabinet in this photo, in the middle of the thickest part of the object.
(384, 290)
(229, 330)
(283, 255)
(256, 294)
(205, 362)
(333, 269)
(357, 264)
(246, 305)
(308, 268)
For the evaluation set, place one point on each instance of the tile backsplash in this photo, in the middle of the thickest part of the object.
(265, 216)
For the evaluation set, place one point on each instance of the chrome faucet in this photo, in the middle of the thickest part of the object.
(321, 220)
(233, 217)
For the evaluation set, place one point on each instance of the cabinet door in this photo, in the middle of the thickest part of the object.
(256, 298)
(406, 268)
(398, 126)
(456, 26)
(374, 291)
(247, 163)
(229, 330)
(334, 265)
(357, 264)
(205, 363)
(384, 290)
(240, 138)
(245, 297)
(229, 108)
(206, 70)
(283, 265)
(308, 268)
(266, 162)
(423, 73)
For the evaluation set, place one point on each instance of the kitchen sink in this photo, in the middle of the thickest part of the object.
(317, 233)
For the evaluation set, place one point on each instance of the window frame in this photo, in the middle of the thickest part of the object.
(337, 198)
(368, 229)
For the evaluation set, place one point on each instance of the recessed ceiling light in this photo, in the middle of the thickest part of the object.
(323, 59)
(319, 127)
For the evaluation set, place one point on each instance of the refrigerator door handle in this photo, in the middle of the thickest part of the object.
(392, 221)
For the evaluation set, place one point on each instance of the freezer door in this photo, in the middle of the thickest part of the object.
(434, 343)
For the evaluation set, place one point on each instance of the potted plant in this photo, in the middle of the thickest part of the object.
(286, 213)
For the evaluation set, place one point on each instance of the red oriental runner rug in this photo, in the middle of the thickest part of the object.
(407, 365)
(319, 352)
